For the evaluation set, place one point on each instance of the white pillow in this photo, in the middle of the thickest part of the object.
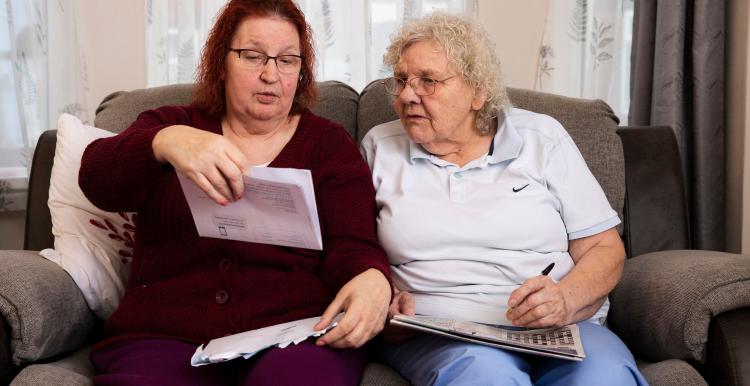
(95, 247)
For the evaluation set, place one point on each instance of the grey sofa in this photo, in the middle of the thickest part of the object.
(683, 313)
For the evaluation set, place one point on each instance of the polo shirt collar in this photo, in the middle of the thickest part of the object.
(507, 142)
(417, 151)
(505, 146)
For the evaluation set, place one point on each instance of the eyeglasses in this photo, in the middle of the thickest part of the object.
(421, 85)
(254, 60)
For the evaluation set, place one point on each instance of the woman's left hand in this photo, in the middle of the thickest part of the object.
(539, 303)
(364, 300)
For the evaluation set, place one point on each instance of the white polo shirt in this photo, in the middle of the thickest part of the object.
(461, 239)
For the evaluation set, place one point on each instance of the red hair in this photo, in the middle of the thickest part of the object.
(210, 89)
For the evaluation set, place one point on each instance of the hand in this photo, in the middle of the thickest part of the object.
(539, 303)
(402, 303)
(209, 160)
(364, 300)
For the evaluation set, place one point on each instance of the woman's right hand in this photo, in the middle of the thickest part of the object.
(402, 303)
(209, 160)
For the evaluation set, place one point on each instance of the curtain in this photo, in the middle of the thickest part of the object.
(585, 51)
(42, 75)
(678, 81)
(175, 33)
(350, 35)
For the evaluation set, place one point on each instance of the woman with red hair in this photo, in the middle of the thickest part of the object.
(251, 108)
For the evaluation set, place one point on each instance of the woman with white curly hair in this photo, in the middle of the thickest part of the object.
(475, 199)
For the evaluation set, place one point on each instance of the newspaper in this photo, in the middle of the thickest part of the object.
(563, 342)
(248, 343)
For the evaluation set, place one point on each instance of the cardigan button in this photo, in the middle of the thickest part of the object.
(222, 297)
(224, 265)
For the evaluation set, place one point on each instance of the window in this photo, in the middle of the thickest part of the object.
(42, 75)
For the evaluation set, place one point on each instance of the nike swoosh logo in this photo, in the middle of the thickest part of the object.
(516, 190)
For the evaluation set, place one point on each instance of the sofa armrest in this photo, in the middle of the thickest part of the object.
(656, 217)
(42, 306)
(728, 349)
(38, 233)
(665, 301)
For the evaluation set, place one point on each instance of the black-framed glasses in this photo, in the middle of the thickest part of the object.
(421, 85)
(287, 64)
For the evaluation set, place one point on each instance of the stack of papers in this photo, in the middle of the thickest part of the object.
(562, 343)
(249, 343)
(277, 207)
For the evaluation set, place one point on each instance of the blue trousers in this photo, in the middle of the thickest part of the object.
(434, 360)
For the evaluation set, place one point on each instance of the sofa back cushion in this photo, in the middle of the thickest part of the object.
(337, 102)
(119, 109)
(591, 124)
(593, 127)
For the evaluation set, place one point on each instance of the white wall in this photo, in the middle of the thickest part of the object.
(516, 27)
(113, 33)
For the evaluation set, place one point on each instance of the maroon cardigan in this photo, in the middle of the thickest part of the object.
(194, 288)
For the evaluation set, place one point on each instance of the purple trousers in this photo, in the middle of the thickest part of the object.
(165, 362)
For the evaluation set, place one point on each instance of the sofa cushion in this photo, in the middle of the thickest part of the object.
(337, 102)
(118, 110)
(73, 370)
(673, 372)
(375, 107)
(665, 301)
(378, 374)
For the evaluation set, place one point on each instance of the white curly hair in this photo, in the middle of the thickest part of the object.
(467, 47)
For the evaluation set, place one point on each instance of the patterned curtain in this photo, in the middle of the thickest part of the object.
(585, 51)
(175, 33)
(42, 75)
(350, 35)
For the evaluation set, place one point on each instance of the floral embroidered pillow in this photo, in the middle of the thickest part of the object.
(95, 247)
